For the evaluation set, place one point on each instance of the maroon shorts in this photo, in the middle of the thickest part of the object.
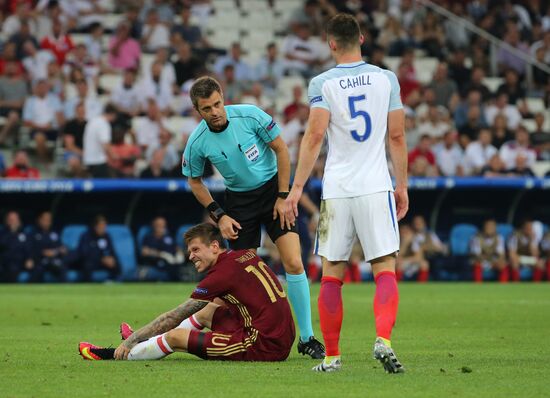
(229, 340)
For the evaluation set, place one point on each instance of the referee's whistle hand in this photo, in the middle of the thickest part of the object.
(229, 227)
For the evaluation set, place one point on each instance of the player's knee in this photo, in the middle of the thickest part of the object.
(294, 266)
(177, 338)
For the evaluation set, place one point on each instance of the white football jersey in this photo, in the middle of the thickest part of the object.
(359, 97)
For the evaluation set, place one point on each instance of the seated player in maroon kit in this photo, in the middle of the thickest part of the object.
(254, 323)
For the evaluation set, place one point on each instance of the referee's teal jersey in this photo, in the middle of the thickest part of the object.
(240, 152)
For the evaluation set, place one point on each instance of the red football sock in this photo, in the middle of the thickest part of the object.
(515, 274)
(347, 275)
(537, 275)
(331, 313)
(399, 275)
(386, 300)
(423, 276)
(313, 272)
(355, 272)
(504, 275)
(478, 273)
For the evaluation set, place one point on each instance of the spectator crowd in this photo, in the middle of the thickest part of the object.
(81, 97)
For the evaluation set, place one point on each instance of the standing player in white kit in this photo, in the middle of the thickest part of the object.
(355, 103)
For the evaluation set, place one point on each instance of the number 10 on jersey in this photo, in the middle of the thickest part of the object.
(354, 103)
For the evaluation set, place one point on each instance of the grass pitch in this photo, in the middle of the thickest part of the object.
(453, 339)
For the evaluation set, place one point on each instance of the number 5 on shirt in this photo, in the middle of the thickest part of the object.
(356, 113)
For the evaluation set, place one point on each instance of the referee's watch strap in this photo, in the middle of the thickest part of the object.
(216, 211)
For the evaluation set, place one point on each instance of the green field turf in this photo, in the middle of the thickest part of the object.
(499, 332)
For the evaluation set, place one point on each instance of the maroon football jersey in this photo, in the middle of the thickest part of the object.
(252, 291)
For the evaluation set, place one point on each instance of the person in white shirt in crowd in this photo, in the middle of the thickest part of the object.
(36, 61)
(302, 52)
(163, 8)
(167, 74)
(94, 42)
(501, 105)
(85, 12)
(270, 70)
(171, 156)
(188, 126)
(290, 133)
(97, 143)
(544, 43)
(12, 24)
(256, 97)
(478, 153)
(92, 105)
(152, 86)
(147, 129)
(127, 97)
(521, 146)
(449, 155)
(436, 124)
(243, 71)
(43, 114)
(79, 58)
(154, 35)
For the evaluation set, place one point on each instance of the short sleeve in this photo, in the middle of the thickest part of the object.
(500, 245)
(214, 285)
(267, 128)
(315, 94)
(395, 94)
(104, 132)
(513, 242)
(28, 110)
(192, 161)
(475, 246)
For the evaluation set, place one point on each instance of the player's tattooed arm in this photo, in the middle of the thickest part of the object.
(165, 322)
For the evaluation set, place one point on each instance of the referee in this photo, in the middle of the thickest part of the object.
(243, 143)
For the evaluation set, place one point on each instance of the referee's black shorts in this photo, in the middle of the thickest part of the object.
(252, 209)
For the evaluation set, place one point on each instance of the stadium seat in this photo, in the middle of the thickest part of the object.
(529, 124)
(461, 234)
(179, 234)
(175, 125)
(71, 235)
(535, 105)
(392, 62)
(255, 5)
(505, 230)
(540, 168)
(425, 68)
(492, 83)
(110, 81)
(143, 230)
(124, 246)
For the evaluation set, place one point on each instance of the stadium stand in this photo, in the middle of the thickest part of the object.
(395, 27)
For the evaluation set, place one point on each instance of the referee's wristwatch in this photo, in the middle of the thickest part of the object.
(283, 195)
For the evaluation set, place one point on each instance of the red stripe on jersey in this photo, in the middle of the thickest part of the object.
(162, 346)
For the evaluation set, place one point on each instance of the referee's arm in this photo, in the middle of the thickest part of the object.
(283, 163)
(200, 191)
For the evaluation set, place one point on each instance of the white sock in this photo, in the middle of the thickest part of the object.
(190, 323)
(154, 348)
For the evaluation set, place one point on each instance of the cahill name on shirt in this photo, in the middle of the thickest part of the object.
(361, 80)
